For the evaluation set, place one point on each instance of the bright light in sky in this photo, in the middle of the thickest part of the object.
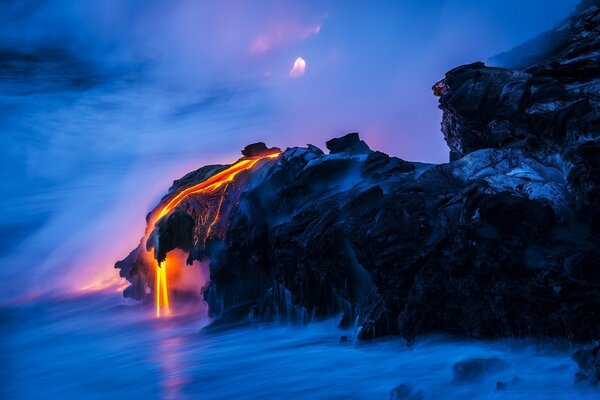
(298, 68)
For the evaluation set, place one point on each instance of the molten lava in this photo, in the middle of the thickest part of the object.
(161, 289)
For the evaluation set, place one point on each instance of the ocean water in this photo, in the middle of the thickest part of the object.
(100, 346)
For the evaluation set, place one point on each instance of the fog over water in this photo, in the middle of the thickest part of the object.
(104, 103)
(53, 349)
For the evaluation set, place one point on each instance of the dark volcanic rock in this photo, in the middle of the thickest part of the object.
(135, 269)
(349, 143)
(191, 178)
(503, 241)
(547, 106)
(258, 149)
(571, 38)
(176, 230)
(588, 362)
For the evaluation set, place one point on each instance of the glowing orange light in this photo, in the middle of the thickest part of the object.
(157, 290)
(161, 290)
(165, 290)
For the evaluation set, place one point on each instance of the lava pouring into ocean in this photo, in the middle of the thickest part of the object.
(211, 185)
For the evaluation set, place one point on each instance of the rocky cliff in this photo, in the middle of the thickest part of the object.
(501, 241)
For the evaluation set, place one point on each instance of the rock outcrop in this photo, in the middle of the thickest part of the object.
(501, 241)
(588, 361)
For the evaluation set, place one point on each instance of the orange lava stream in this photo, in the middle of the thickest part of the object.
(162, 291)
(213, 183)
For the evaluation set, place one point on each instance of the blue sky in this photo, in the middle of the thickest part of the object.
(103, 104)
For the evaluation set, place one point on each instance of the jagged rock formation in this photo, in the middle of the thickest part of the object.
(549, 107)
(588, 361)
(502, 241)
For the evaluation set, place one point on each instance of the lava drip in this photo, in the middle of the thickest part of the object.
(219, 180)
(162, 290)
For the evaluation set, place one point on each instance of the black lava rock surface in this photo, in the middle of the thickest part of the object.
(588, 361)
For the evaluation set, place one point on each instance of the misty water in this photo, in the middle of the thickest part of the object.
(100, 346)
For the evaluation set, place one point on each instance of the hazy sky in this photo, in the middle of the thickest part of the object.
(104, 103)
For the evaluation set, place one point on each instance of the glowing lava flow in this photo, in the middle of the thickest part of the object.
(161, 289)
